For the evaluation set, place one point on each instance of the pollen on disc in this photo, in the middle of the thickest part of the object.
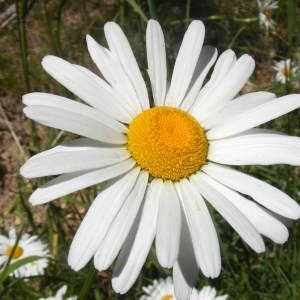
(167, 142)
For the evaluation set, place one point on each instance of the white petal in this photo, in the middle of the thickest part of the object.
(156, 56)
(209, 189)
(70, 157)
(237, 106)
(115, 75)
(81, 142)
(97, 93)
(206, 59)
(202, 229)
(168, 226)
(116, 108)
(121, 50)
(182, 289)
(73, 122)
(223, 297)
(255, 116)
(65, 114)
(185, 63)
(4, 240)
(206, 293)
(261, 131)
(262, 149)
(3, 258)
(120, 227)
(134, 253)
(262, 192)
(60, 293)
(98, 220)
(224, 63)
(185, 270)
(227, 88)
(264, 223)
(51, 100)
(72, 182)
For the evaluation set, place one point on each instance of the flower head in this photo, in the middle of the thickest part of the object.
(60, 295)
(265, 8)
(27, 246)
(206, 293)
(163, 289)
(162, 157)
(285, 70)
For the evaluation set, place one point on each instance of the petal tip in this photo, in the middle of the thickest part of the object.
(25, 97)
(110, 24)
(26, 110)
(73, 262)
(89, 39)
(46, 59)
(197, 23)
(32, 199)
(22, 171)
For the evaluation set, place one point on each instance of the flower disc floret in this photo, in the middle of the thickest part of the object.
(268, 14)
(167, 142)
(14, 252)
(286, 72)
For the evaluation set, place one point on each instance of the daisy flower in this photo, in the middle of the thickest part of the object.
(285, 70)
(162, 158)
(207, 293)
(163, 289)
(265, 8)
(27, 246)
(60, 295)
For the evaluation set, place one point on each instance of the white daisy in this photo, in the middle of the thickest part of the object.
(163, 289)
(206, 293)
(60, 295)
(27, 246)
(265, 8)
(285, 70)
(163, 158)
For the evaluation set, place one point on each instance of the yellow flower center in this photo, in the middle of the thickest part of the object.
(268, 14)
(167, 142)
(167, 297)
(286, 72)
(17, 253)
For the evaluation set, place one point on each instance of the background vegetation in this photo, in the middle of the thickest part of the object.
(30, 29)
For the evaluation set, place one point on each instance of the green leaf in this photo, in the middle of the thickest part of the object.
(12, 267)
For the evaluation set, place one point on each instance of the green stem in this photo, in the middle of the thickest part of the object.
(26, 209)
(21, 15)
(87, 284)
(187, 11)
(21, 6)
(137, 8)
(152, 9)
